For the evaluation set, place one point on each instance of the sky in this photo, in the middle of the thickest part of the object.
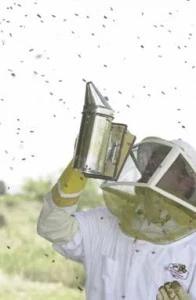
(140, 54)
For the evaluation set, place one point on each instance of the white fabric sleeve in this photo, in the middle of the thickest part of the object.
(57, 224)
(95, 224)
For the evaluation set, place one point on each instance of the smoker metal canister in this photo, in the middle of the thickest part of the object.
(95, 129)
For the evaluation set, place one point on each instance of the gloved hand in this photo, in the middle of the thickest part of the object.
(172, 291)
(67, 190)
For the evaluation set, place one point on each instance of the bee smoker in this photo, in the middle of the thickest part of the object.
(102, 146)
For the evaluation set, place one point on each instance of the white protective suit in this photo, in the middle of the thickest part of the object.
(117, 265)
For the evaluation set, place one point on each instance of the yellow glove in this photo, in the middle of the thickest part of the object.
(69, 187)
(172, 291)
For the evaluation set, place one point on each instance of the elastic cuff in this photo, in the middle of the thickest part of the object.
(60, 201)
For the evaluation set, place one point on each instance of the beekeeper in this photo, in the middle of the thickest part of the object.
(142, 244)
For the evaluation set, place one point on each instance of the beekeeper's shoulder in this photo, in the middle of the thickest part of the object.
(99, 218)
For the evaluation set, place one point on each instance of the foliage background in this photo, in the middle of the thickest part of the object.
(29, 267)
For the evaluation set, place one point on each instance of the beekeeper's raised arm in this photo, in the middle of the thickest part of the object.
(56, 222)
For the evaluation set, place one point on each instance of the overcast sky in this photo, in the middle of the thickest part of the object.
(140, 54)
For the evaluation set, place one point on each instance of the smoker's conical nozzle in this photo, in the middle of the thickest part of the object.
(95, 102)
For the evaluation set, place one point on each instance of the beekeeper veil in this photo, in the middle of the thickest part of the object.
(154, 197)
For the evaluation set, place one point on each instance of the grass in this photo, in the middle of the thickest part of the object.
(29, 267)
(14, 287)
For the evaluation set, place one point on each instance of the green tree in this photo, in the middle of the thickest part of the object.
(91, 196)
(36, 189)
